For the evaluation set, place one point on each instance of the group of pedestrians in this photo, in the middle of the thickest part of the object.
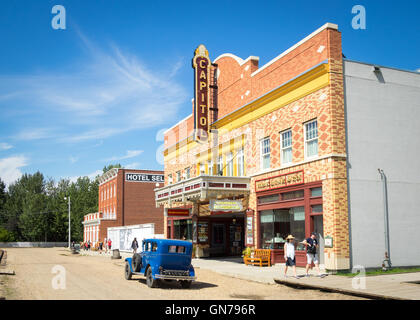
(107, 245)
(311, 244)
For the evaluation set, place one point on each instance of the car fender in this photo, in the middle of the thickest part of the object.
(191, 271)
(129, 263)
(154, 268)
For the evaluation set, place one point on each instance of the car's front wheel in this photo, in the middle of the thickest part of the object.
(128, 273)
(185, 284)
(151, 283)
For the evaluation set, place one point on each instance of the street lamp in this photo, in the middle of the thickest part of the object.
(65, 198)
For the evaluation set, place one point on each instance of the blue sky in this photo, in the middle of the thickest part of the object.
(101, 91)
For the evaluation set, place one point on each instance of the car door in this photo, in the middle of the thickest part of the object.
(145, 254)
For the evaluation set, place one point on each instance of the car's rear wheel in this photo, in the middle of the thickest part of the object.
(128, 273)
(185, 284)
(151, 283)
(136, 262)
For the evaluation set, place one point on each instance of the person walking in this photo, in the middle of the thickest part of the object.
(134, 245)
(109, 244)
(289, 255)
(311, 244)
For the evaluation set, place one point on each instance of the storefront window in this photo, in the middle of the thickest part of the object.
(277, 224)
(183, 228)
(268, 199)
(316, 192)
(298, 194)
(317, 208)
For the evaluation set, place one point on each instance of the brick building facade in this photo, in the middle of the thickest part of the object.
(126, 197)
(282, 127)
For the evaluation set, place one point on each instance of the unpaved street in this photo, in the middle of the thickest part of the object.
(97, 278)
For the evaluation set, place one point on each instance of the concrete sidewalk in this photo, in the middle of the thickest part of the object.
(392, 286)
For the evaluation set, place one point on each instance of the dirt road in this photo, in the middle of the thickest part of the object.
(98, 278)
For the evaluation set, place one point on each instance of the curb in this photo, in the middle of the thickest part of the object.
(337, 290)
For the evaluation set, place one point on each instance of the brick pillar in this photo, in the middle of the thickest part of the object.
(335, 219)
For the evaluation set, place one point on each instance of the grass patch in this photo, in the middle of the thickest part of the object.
(379, 272)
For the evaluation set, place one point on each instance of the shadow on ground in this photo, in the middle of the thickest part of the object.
(196, 285)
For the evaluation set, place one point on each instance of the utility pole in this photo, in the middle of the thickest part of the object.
(65, 198)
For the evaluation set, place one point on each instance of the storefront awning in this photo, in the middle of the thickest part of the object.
(202, 188)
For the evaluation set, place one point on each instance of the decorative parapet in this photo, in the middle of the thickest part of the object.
(202, 188)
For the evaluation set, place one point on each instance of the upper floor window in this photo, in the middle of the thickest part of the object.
(210, 166)
(178, 176)
(187, 173)
(265, 153)
(311, 139)
(229, 164)
(240, 163)
(220, 165)
(286, 146)
(202, 168)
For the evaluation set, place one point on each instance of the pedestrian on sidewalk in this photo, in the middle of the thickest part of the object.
(289, 255)
(109, 244)
(106, 245)
(311, 244)
(134, 245)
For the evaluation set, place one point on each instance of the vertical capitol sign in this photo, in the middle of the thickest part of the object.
(201, 63)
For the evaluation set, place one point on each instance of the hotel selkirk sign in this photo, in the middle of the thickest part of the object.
(201, 63)
(281, 181)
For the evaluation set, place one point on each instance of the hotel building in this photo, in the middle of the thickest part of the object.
(126, 198)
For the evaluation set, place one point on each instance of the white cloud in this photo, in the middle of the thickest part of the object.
(9, 168)
(111, 93)
(34, 134)
(128, 155)
(5, 146)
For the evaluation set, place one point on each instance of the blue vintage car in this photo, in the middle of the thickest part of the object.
(162, 259)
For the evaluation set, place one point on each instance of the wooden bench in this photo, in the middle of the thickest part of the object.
(262, 257)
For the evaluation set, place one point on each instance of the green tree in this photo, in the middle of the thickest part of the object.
(3, 198)
(109, 167)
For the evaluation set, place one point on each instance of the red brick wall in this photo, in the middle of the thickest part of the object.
(235, 81)
(135, 204)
